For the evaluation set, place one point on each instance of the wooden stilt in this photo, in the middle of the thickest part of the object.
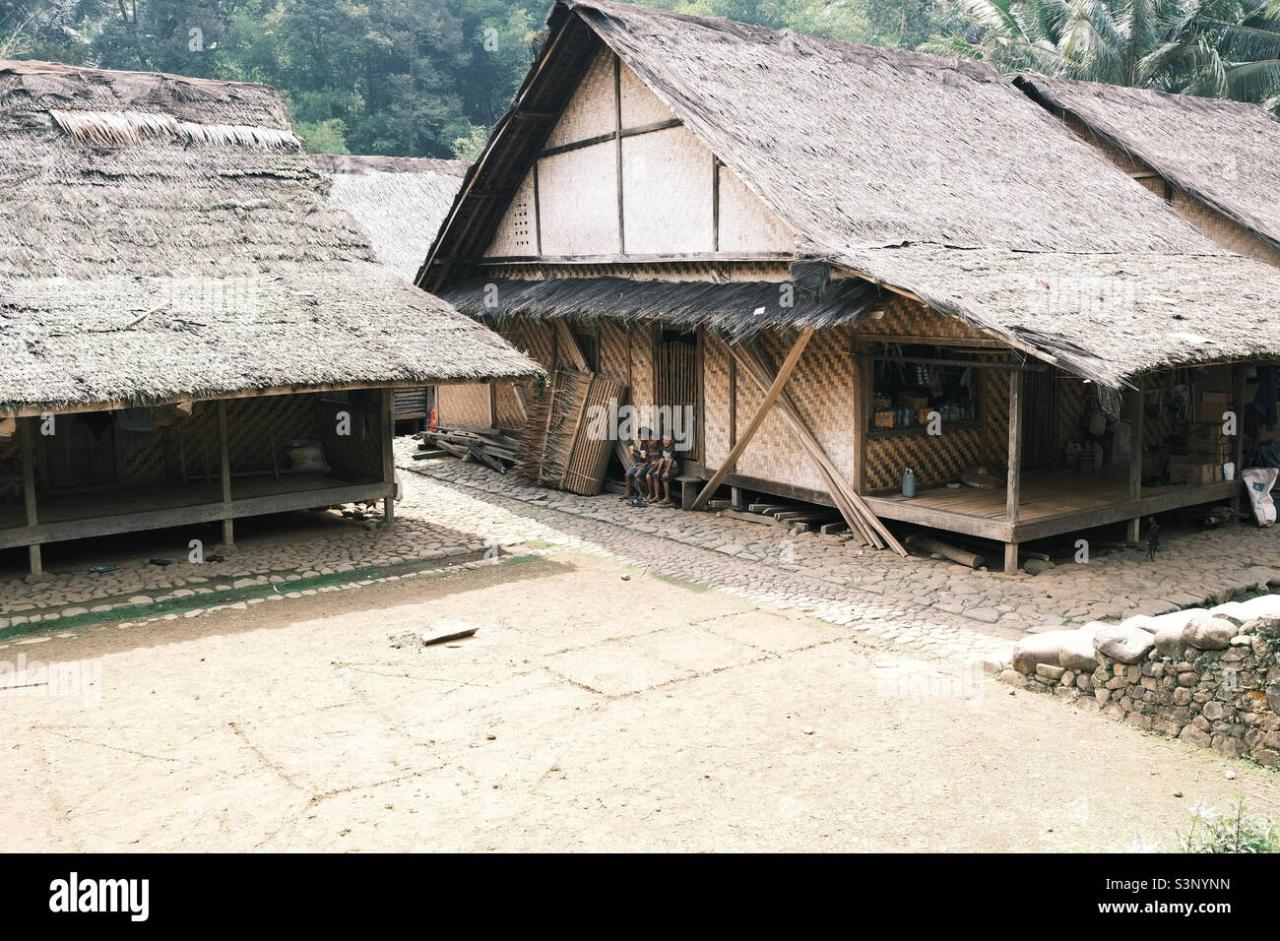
(1013, 488)
(388, 456)
(28, 429)
(1237, 452)
(224, 445)
(770, 396)
(1137, 414)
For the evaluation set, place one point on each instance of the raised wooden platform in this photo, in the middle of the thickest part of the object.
(134, 509)
(1052, 503)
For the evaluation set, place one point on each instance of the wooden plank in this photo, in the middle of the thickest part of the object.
(770, 396)
(28, 428)
(187, 515)
(224, 446)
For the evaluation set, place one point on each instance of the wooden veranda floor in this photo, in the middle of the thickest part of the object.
(159, 506)
(1052, 503)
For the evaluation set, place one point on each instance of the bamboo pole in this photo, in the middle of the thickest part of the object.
(771, 394)
(1013, 485)
(839, 488)
(859, 523)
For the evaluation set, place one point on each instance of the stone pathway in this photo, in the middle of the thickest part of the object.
(450, 508)
(1194, 568)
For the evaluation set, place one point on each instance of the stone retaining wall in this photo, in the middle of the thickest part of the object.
(1223, 694)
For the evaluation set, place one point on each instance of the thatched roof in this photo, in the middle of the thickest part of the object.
(399, 201)
(934, 177)
(1226, 153)
(164, 237)
(740, 308)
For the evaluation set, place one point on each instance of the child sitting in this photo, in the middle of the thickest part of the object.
(642, 455)
(665, 468)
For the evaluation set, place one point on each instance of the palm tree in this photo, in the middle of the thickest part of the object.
(1216, 48)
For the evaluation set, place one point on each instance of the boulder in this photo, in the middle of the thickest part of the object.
(1234, 611)
(1124, 643)
(1169, 642)
(1076, 652)
(1263, 606)
(1179, 618)
(1206, 632)
(1038, 648)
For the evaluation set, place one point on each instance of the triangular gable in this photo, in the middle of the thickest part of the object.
(676, 198)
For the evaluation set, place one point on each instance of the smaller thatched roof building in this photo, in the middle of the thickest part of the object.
(164, 237)
(1224, 153)
(399, 201)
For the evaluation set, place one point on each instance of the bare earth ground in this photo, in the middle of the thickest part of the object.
(590, 712)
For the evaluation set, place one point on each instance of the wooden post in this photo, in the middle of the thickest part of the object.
(1013, 488)
(224, 444)
(1137, 412)
(771, 396)
(1237, 453)
(862, 394)
(28, 431)
(388, 456)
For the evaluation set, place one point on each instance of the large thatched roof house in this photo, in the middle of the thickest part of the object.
(678, 202)
(172, 277)
(400, 202)
(1216, 162)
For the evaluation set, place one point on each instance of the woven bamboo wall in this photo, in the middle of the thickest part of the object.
(715, 389)
(615, 353)
(466, 405)
(822, 389)
(905, 317)
(256, 428)
(1226, 232)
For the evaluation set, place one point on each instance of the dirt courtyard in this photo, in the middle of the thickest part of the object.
(597, 708)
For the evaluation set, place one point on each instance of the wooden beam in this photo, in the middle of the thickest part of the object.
(715, 203)
(1237, 389)
(617, 128)
(618, 132)
(860, 517)
(224, 446)
(1013, 485)
(1137, 414)
(388, 429)
(28, 431)
(134, 522)
(770, 396)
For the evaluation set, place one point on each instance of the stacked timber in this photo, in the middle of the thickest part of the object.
(488, 446)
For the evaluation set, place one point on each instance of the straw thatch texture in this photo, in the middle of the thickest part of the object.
(934, 177)
(742, 309)
(1226, 153)
(399, 201)
(164, 237)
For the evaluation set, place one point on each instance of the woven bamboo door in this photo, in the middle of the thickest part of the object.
(1039, 419)
(675, 386)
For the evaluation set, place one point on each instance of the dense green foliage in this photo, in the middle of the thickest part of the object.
(430, 77)
(1218, 48)
(408, 77)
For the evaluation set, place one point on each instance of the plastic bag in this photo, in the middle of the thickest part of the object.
(1259, 481)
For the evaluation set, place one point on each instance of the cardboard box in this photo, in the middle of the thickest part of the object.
(1189, 469)
(1212, 406)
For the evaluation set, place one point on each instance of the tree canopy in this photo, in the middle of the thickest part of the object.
(430, 77)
